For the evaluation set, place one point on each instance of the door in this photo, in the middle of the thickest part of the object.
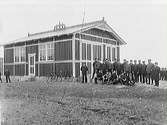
(31, 64)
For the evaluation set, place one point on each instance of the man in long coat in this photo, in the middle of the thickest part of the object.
(156, 74)
(143, 72)
(148, 70)
(135, 70)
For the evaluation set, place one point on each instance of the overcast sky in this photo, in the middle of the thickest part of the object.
(141, 23)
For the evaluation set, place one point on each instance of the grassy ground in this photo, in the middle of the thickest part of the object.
(37, 103)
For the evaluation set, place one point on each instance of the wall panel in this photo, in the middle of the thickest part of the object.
(9, 55)
(19, 70)
(45, 69)
(63, 50)
(65, 69)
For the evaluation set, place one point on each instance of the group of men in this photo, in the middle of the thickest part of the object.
(136, 71)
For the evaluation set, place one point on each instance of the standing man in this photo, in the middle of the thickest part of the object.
(119, 68)
(139, 65)
(94, 68)
(132, 70)
(156, 73)
(123, 65)
(148, 70)
(109, 65)
(135, 70)
(127, 68)
(115, 65)
(0, 77)
(143, 72)
(84, 70)
(7, 74)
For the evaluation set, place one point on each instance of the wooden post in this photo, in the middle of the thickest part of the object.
(73, 54)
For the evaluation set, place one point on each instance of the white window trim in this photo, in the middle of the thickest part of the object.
(20, 53)
(46, 54)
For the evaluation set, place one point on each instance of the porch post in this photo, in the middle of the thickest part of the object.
(73, 54)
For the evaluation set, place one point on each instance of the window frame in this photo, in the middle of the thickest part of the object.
(45, 49)
(21, 54)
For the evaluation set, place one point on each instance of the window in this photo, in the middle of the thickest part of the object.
(46, 51)
(42, 52)
(19, 54)
(50, 51)
(22, 52)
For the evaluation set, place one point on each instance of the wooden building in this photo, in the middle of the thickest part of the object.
(62, 50)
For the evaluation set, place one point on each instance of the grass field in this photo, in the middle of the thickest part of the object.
(37, 103)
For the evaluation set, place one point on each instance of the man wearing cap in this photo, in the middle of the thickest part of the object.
(84, 70)
(132, 69)
(156, 73)
(149, 68)
(135, 70)
(143, 72)
(139, 67)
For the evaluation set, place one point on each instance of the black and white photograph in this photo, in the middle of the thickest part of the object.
(83, 62)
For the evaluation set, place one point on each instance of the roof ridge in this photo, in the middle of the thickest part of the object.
(48, 31)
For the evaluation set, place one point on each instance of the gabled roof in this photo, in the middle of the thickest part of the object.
(72, 29)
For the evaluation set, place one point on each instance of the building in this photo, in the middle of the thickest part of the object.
(62, 50)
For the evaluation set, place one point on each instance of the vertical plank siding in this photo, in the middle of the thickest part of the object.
(63, 50)
(113, 54)
(104, 51)
(45, 69)
(8, 55)
(89, 67)
(88, 51)
(83, 51)
(64, 68)
(118, 53)
(36, 69)
(20, 70)
(77, 49)
(77, 69)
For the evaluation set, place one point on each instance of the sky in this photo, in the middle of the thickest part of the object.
(141, 23)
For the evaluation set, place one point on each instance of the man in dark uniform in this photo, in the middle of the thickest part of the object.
(135, 70)
(156, 73)
(119, 68)
(84, 70)
(94, 68)
(7, 74)
(132, 69)
(123, 65)
(149, 70)
(115, 65)
(104, 67)
(139, 67)
(109, 65)
(127, 68)
(143, 72)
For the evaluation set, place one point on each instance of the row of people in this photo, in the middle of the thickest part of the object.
(140, 72)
